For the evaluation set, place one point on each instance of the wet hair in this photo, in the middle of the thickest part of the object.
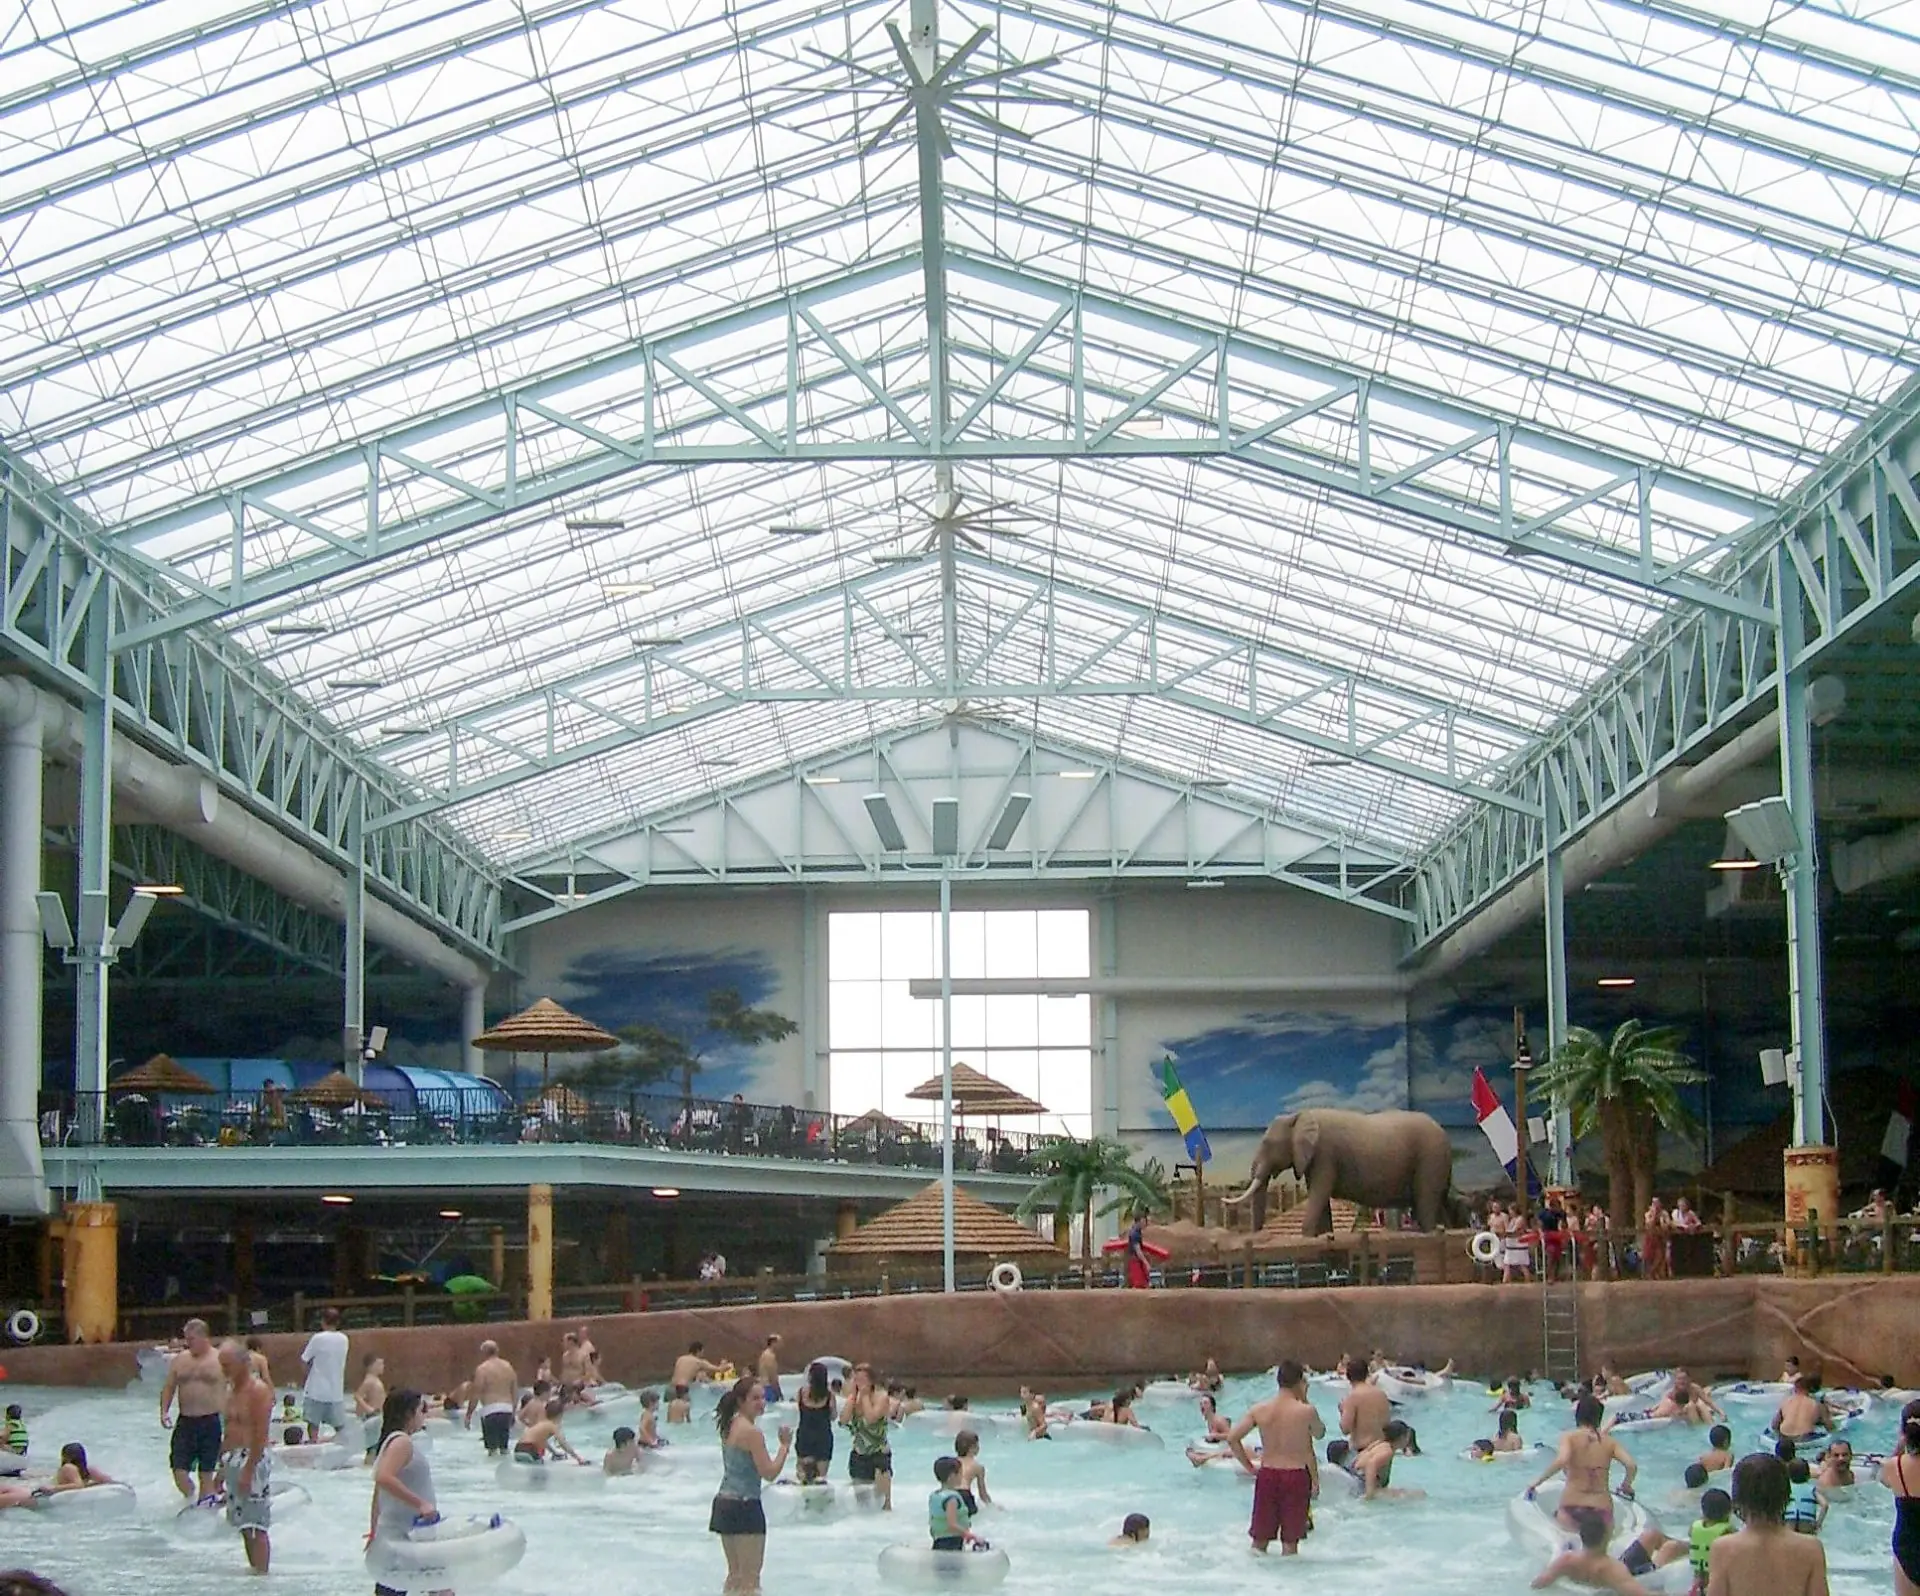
(1513, 1386)
(255, 1344)
(944, 1468)
(1716, 1507)
(369, 1361)
(542, 1387)
(1355, 1369)
(1290, 1374)
(1122, 1399)
(816, 1380)
(293, 1435)
(1695, 1478)
(1594, 1530)
(956, 1403)
(18, 1582)
(1761, 1488)
(1482, 1449)
(1509, 1422)
(1785, 1450)
(1135, 1525)
(623, 1435)
(556, 1407)
(1806, 1385)
(1910, 1432)
(76, 1454)
(13, 1410)
(966, 1443)
(1395, 1431)
(1720, 1436)
(649, 1398)
(732, 1400)
(394, 1413)
(1797, 1471)
(1589, 1411)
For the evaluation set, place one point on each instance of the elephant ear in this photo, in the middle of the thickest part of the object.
(1306, 1137)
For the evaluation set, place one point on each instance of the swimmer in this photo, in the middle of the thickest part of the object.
(623, 1457)
(1609, 1384)
(194, 1378)
(246, 1466)
(767, 1366)
(948, 1518)
(1507, 1439)
(544, 1437)
(1374, 1466)
(533, 1406)
(370, 1396)
(1836, 1465)
(1685, 1400)
(1764, 1557)
(589, 1358)
(16, 1430)
(1134, 1531)
(1586, 1458)
(737, 1516)
(1034, 1412)
(403, 1494)
(573, 1360)
(813, 1440)
(74, 1473)
(1803, 1412)
(1514, 1396)
(1590, 1565)
(688, 1368)
(16, 1495)
(1287, 1477)
(1208, 1379)
(971, 1481)
(1120, 1410)
(649, 1437)
(1790, 1372)
(1906, 1503)
(1216, 1422)
(257, 1354)
(491, 1394)
(870, 1461)
(1807, 1505)
(1364, 1410)
(1719, 1452)
(323, 1399)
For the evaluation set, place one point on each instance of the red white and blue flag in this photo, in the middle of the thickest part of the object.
(1899, 1128)
(1496, 1124)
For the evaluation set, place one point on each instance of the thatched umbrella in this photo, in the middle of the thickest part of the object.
(977, 1094)
(161, 1074)
(338, 1090)
(873, 1121)
(545, 1028)
(914, 1230)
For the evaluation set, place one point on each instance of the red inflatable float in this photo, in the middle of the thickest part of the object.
(1136, 1265)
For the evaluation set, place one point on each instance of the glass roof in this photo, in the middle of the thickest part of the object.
(237, 237)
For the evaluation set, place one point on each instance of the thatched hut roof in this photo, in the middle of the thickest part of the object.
(161, 1073)
(1346, 1217)
(913, 1230)
(974, 1093)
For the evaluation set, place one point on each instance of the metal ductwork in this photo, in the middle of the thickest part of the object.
(147, 787)
(1658, 810)
(1855, 866)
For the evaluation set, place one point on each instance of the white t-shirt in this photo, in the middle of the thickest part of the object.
(326, 1360)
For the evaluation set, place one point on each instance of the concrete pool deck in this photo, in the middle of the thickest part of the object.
(1852, 1327)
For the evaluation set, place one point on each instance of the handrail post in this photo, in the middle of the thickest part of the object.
(299, 1311)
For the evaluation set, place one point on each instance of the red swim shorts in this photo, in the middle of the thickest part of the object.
(1282, 1503)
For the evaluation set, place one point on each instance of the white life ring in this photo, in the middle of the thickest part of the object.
(438, 1556)
(1485, 1246)
(24, 1326)
(922, 1568)
(1005, 1277)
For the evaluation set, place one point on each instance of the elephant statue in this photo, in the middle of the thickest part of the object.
(1391, 1159)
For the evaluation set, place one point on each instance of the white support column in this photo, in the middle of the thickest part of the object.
(93, 949)
(1801, 874)
(813, 977)
(946, 1073)
(473, 1020)
(353, 1029)
(1106, 1047)
(22, 951)
(1560, 1125)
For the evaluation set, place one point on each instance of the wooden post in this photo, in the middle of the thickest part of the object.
(299, 1311)
(1886, 1238)
(1366, 1256)
(233, 1314)
(499, 1258)
(1200, 1192)
(406, 1306)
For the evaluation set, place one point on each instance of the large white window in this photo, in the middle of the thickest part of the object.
(884, 1042)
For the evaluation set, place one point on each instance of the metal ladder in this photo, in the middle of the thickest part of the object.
(1560, 1330)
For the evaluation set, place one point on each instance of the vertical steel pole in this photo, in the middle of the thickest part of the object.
(1560, 1127)
(1806, 997)
(93, 949)
(946, 1072)
(354, 1027)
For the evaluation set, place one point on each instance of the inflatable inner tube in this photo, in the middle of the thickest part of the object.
(516, 1475)
(1807, 1446)
(453, 1553)
(817, 1503)
(1752, 1391)
(1526, 1454)
(922, 1568)
(207, 1518)
(1638, 1419)
(326, 1455)
(1096, 1433)
(1485, 1246)
(23, 1325)
(837, 1368)
(1532, 1523)
(96, 1501)
(943, 1421)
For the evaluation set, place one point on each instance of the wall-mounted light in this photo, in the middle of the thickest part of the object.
(450, 1213)
(1614, 980)
(666, 1191)
(338, 1199)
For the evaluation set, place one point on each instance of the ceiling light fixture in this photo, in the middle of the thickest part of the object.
(594, 523)
(450, 1213)
(821, 781)
(898, 557)
(339, 1199)
(946, 827)
(1211, 781)
(658, 640)
(886, 827)
(666, 1191)
(355, 684)
(399, 730)
(161, 889)
(1204, 883)
(789, 529)
(1077, 775)
(299, 629)
(1009, 821)
(1736, 864)
(1614, 980)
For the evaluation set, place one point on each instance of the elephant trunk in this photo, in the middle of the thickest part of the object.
(1257, 1190)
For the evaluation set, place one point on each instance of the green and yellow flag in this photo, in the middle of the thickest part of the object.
(1180, 1106)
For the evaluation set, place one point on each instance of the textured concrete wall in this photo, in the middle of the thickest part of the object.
(1851, 1327)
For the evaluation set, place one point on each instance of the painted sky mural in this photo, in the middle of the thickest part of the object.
(1241, 1074)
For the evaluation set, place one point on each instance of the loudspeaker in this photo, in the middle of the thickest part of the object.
(1773, 1067)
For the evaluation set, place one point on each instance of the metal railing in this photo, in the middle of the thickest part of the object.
(428, 1117)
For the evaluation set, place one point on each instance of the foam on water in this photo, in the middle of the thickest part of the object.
(1061, 1505)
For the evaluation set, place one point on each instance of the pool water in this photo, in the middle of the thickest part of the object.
(1062, 1501)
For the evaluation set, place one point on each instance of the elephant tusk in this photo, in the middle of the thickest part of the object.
(1252, 1187)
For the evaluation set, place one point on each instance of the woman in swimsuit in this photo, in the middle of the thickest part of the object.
(1906, 1506)
(1586, 1458)
(1373, 1465)
(813, 1444)
(1217, 1424)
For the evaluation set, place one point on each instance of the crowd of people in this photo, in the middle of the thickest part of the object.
(1756, 1534)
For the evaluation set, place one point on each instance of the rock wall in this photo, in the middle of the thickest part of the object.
(1852, 1327)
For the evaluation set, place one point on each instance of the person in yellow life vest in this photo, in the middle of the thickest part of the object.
(16, 1430)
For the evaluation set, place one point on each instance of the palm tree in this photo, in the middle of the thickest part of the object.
(1074, 1172)
(1626, 1086)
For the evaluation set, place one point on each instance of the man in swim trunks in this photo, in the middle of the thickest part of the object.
(1364, 1410)
(768, 1368)
(870, 1458)
(1803, 1412)
(1586, 1458)
(1284, 1482)
(573, 1361)
(246, 1466)
(194, 1377)
(687, 1368)
(495, 1390)
(544, 1435)
(1685, 1400)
